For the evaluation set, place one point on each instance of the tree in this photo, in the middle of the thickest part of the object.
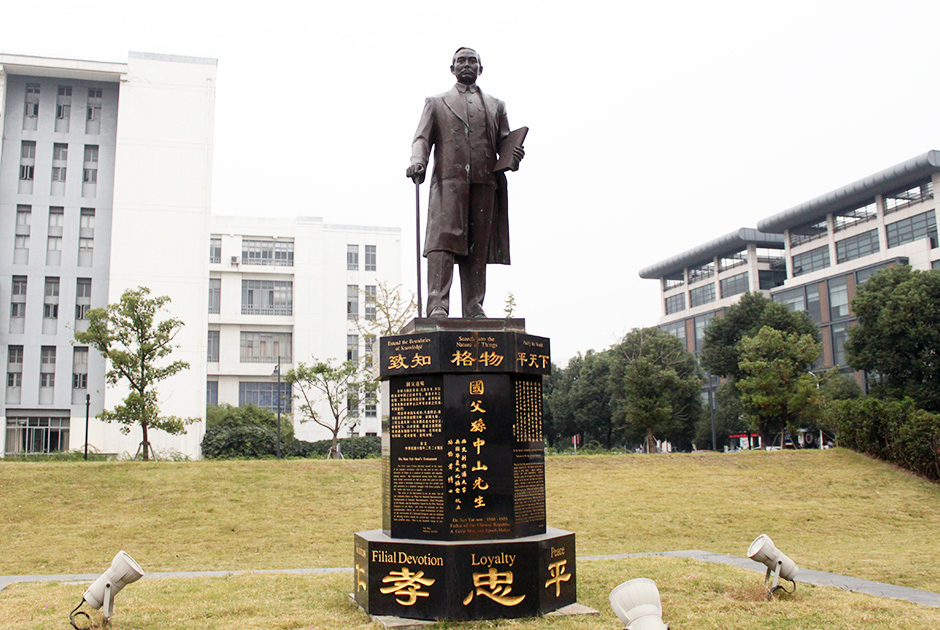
(776, 385)
(654, 387)
(720, 352)
(559, 403)
(897, 338)
(341, 387)
(136, 344)
(392, 310)
(590, 398)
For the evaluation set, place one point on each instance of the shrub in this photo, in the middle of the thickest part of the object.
(351, 448)
(893, 430)
(223, 442)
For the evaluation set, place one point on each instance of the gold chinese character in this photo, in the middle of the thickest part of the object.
(462, 357)
(477, 426)
(360, 573)
(558, 575)
(420, 359)
(491, 358)
(479, 484)
(397, 362)
(533, 360)
(478, 443)
(499, 586)
(475, 406)
(520, 358)
(478, 502)
(476, 388)
(480, 466)
(545, 360)
(407, 585)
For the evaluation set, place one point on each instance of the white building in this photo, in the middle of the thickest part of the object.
(105, 180)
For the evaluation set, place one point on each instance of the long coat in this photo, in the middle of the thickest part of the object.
(444, 126)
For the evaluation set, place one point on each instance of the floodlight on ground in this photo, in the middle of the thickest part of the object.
(123, 571)
(778, 564)
(636, 603)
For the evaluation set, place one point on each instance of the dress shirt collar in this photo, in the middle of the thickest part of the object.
(463, 89)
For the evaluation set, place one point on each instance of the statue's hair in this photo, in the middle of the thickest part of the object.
(454, 58)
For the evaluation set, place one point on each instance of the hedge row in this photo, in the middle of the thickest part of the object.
(893, 430)
(238, 442)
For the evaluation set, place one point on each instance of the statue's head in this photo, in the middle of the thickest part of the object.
(466, 65)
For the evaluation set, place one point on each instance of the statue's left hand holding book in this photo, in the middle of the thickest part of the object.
(511, 151)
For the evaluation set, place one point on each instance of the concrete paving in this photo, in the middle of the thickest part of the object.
(808, 576)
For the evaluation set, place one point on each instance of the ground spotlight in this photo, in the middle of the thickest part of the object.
(637, 604)
(123, 571)
(763, 550)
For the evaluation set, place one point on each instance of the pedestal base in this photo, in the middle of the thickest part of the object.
(484, 579)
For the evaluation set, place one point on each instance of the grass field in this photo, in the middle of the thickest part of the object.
(828, 510)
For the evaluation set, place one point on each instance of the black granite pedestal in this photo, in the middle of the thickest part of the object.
(464, 527)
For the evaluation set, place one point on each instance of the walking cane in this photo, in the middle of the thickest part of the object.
(418, 239)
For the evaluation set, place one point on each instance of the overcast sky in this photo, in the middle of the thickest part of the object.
(654, 127)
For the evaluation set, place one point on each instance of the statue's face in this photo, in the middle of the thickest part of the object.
(466, 66)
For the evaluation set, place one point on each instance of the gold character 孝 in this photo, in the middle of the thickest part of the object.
(406, 585)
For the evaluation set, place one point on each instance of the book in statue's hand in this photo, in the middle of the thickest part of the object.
(507, 161)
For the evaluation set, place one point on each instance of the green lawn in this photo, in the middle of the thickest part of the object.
(828, 510)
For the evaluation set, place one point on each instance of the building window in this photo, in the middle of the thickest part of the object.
(675, 303)
(811, 261)
(672, 283)
(908, 196)
(370, 405)
(808, 232)
(857, 246)
(267, 297)
(31, 105)
(795, 299)
(913, 228)
(676, 329)
(734, 260)
(838, 298)
(734, 285)
(352, 301)
(35, 435)
(212, 347)
(90, 170)
(701, 272)
(27, 160)
(93, 111)
(50, 308)
(352, 257)
(370, 258)
(47, 367)
(82, 298)
(700, 323)
(849, 218)
(63, 108)
(370, 294)
(352, 347)
(14, 366)
(22, 232)
(80, 368)
(215, 295)
(702, 295)
(264, 394)
(18, 297)
(768, 279)
(863, 275)
(839, 334)
(212, 393)
(266, 347)
(215, 249)
(279, 253)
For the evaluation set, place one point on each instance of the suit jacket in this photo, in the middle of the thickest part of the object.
(444, 126)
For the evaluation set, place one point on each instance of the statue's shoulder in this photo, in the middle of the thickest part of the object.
(440, 97)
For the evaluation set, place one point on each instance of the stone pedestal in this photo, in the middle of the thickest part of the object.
(464, 528)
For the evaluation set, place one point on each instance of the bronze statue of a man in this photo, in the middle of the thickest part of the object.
(467, 215)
